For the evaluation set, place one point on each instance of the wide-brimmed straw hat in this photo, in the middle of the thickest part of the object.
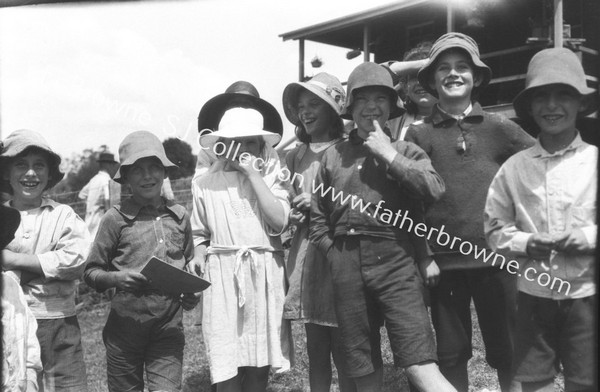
(323, 85)
(369, 74)
(237, 123)
(448, 41)
(138, 145)
(239, 94)
(24, 139)
(553, 66)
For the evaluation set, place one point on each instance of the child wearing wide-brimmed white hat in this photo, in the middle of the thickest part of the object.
(541, 210)
(240, 208)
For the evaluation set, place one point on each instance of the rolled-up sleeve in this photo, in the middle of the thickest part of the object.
(66, 256)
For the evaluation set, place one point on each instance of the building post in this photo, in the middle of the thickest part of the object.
(366, 39)
(558, 23)
(301, 60)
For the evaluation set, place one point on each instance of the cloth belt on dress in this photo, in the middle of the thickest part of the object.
(243, 254)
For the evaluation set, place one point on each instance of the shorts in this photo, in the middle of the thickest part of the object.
(494, 294)
(144, 331)
(62, 355)
(375, 279)
(551, 332)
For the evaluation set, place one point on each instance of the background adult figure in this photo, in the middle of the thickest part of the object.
(101, 192)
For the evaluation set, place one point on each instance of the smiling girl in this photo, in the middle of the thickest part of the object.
(48, 252)
(314, 108)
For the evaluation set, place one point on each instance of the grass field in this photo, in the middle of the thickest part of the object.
(195, 371)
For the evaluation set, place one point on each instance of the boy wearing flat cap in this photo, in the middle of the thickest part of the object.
(541, 209)
(372, 259)
(467, 146)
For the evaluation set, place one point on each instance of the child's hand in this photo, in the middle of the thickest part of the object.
(196, 265)
(129, 280)
(540, 245)
(302, 201)
(190, 300)
(430, 272)
(248, 167)
(297, 217)
(573, 242)
(379, 144)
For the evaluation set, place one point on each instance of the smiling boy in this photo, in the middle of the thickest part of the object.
(373, 270)
(48, 252)
(467, 146)
(541, 209)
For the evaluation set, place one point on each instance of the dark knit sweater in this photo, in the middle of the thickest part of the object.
(467, 170)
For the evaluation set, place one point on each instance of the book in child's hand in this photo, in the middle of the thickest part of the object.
(172, 280)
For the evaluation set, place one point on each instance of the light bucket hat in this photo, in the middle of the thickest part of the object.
(239, 94)
(370, 74)
(21, 140)
(237, 123)
(138, 145)
(323, 85)
(553, 66)
(448, 41)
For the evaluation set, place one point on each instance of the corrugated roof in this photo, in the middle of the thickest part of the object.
(356, 19)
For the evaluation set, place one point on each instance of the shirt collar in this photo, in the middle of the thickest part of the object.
(46, 203)
(473, 113)
(537, 151)
(130, 208)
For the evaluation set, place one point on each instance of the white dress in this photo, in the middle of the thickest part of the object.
(242, 320)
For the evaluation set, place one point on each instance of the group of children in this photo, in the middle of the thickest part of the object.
(352, 268)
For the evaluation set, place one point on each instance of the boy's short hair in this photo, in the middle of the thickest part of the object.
(369, 74)
(554, 66)
(22, 142)
(449, 41)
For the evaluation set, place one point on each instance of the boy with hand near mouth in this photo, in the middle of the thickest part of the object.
(541, 209)
(467, 146)
(48, 253)
(373, 270)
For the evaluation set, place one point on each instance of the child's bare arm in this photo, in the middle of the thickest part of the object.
(271, 208)
(196, 265)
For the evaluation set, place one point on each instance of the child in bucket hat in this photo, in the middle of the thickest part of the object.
(467, 146)
(48, 253)
(314, 107)
(240, 208)
(541, 210)
(144, 327)
(385, 178)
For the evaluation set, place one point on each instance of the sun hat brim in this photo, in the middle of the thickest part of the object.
(291, 94)
(453, 41)
(208, 140)
(118, 177)
(212, 111)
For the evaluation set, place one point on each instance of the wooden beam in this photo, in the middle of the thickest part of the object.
(366, 39)
(301, 60)
(558, 24)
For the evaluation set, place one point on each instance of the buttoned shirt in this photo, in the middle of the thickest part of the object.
(539, 192)
(130, 234)
(58, 237)
(349, 168)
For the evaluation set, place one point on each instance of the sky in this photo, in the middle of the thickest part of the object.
(85, 75)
